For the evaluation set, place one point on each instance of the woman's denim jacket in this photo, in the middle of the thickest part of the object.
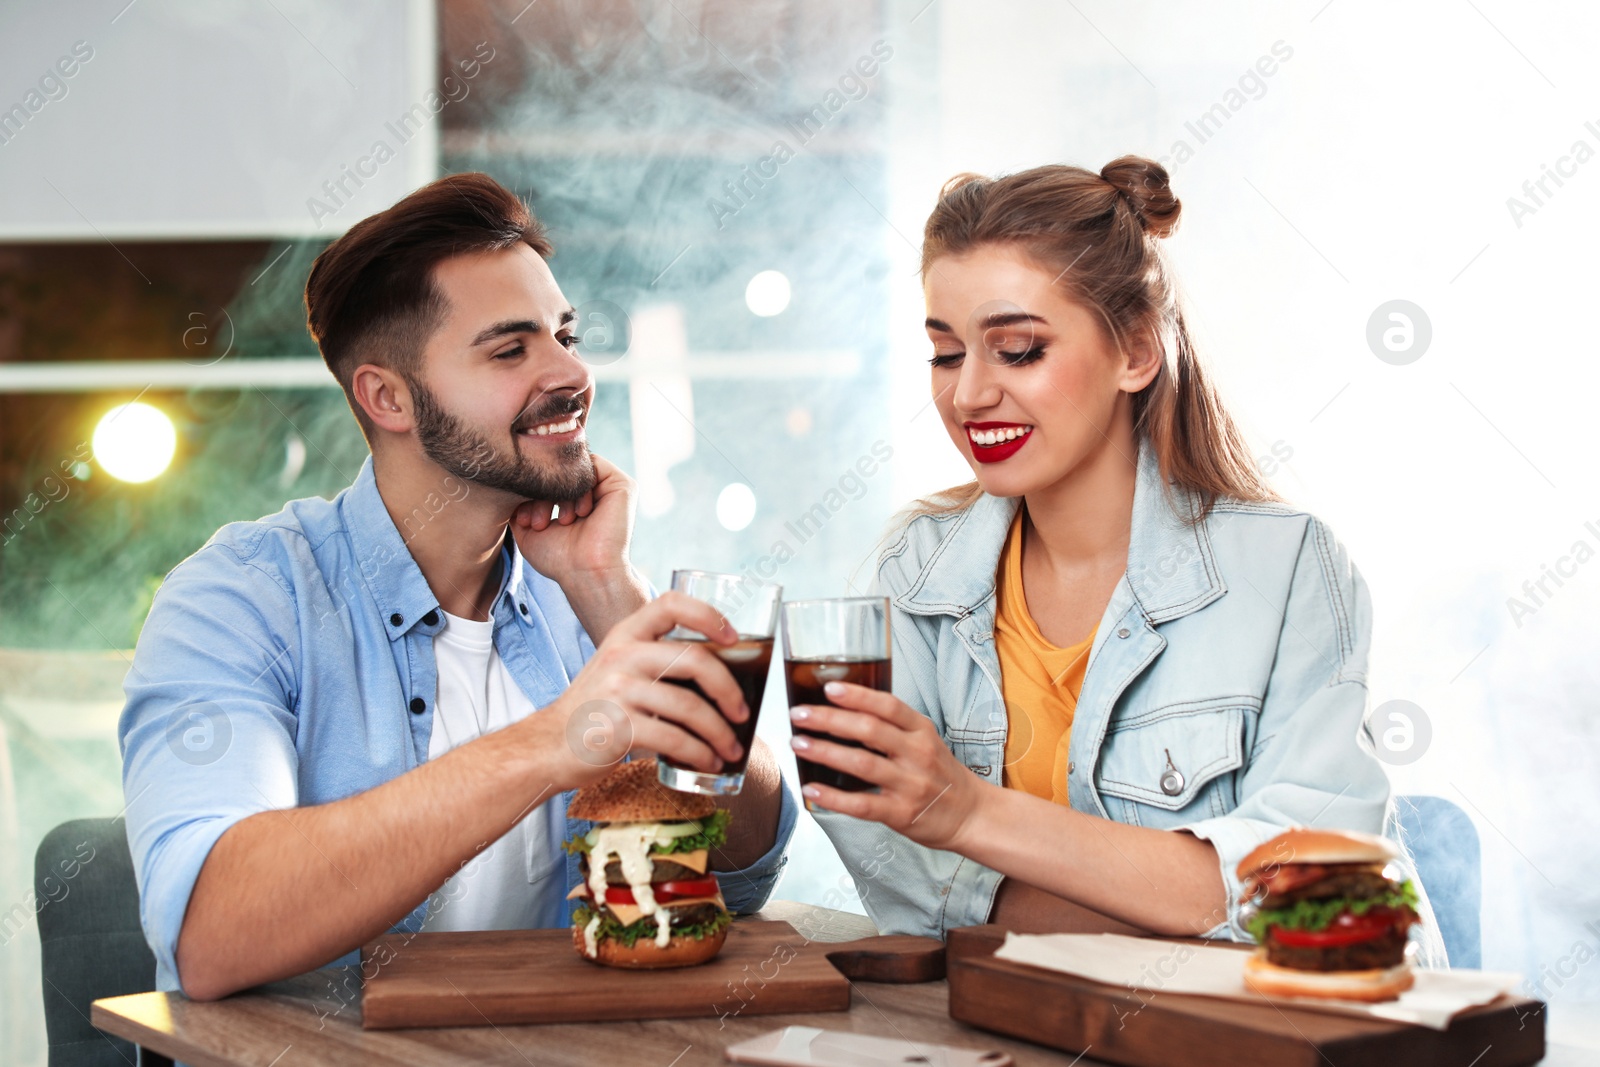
(1224, 694)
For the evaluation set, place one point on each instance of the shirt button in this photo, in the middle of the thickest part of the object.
(418, 705)
(523, 608)
(1122, 632)
(431, 618)
(396, 619)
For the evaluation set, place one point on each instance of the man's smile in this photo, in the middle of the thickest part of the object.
(567, 427)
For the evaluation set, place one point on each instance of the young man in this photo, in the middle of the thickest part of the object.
(370, 713)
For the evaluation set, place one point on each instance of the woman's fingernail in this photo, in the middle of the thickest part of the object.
(834, 689)
(738, 750)
(745, 712)
(799, 714)
(800, 744)
(811, 792)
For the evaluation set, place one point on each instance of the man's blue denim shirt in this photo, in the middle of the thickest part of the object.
(289, 662)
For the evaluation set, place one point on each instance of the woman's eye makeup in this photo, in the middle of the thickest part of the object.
(1001, 355)
(1017, 359)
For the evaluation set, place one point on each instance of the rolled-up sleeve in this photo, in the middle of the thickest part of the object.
(747, 890)
(207, 733)
(1307, 767)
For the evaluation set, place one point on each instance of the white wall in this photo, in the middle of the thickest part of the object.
(209, 119)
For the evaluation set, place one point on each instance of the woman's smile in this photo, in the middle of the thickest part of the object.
(995, 441)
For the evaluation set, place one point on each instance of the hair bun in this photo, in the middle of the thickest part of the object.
(1144, 184)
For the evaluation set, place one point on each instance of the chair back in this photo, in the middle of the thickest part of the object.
(90, 941)
(1443, 845)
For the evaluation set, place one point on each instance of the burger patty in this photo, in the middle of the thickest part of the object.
(693, 915)
(1353, 882)
(663, 870)
(1387, 950)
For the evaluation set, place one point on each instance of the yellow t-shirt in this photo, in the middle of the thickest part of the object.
(1039, 681)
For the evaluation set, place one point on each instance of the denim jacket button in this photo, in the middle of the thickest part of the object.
(1071, 766)
(980, 769)
(1123, 632)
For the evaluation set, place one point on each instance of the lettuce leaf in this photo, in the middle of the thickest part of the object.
(713, 834)
(1315, 915)
(645, 927)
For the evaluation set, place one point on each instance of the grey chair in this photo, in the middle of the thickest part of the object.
(1444, 846)
(90, 942)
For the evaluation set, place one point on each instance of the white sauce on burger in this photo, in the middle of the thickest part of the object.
(630, 843)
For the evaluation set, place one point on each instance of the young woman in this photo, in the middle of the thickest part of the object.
(1120, 662)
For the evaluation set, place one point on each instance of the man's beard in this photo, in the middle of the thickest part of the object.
(467, 454)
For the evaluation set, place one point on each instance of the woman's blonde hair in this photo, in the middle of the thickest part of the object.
(1101, 233)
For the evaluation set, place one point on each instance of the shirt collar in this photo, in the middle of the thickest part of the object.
(1171, 568)
(387, 568)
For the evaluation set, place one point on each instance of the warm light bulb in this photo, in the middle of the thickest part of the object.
(134, 442)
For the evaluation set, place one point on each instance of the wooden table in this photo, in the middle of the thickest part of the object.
(311, 1021)
(304, 1021)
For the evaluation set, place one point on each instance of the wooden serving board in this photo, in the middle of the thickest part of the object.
(536, 976)
(1116, 1025)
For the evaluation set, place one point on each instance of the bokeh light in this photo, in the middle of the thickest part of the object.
(767, 294)
(736, 506)
(134, 442)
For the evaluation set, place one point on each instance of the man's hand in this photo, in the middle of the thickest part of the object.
(589, 536)
(621, 701)
(585, 549)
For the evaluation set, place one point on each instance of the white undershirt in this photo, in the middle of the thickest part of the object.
(517, 882)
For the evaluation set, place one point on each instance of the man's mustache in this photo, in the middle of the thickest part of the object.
(551, 410)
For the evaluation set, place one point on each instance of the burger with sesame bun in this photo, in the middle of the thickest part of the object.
(649, 897)
(1329, 922)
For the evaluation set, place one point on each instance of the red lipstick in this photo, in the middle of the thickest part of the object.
(1000, 450)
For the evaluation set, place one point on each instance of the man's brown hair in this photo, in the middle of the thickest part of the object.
(371, 296)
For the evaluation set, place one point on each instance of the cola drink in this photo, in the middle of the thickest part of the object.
(805, 678)
(748, 662)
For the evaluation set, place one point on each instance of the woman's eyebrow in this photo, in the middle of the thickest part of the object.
(1011, 318)
(999, 318)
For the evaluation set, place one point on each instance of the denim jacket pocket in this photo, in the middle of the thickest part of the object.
(981, 751)
(1175, 764)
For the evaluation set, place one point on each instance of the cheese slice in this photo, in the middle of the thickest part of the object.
(628, 914)
(695, 861)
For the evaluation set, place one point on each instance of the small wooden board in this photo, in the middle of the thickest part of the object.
(536, 976)
(1116, 1025)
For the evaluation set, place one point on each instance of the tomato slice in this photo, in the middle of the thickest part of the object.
(665, 892)
(1346, 929)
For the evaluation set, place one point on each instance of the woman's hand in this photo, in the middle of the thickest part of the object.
(925, 792)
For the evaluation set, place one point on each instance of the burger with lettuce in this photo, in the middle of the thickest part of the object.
(1329, 922)
(649, 898)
